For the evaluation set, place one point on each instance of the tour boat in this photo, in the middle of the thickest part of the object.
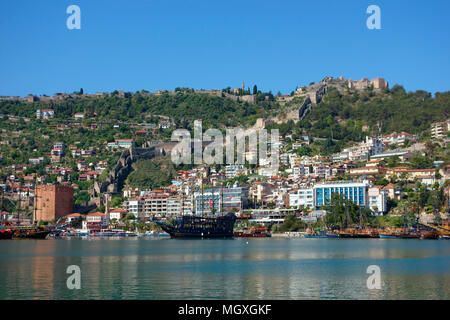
(254, 232)
(200, 226)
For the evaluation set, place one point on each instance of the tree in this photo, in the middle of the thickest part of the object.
(116, 201)
(130, 216)
(292, 223)
(430, 148)
(342, 212)
(420, 162)
(255, 89)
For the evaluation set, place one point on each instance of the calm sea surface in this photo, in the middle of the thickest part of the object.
(225, 269)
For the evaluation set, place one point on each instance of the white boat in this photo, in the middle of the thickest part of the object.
(154, 233)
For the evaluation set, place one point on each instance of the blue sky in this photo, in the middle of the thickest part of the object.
(163, 44)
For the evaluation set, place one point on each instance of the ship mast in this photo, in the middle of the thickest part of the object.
(221, 199)
(19, 207)
(3, 194)
(347, 218)
(34, 201)
(203, 200)
(193, 200)
(182, 200)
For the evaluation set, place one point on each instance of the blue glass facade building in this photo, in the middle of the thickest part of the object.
(354, 191)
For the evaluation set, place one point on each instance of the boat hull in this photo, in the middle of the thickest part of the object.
(429, 235)
(251, 235)
(201, 227)
(37, 235)
(356, 236)
(6, 234)
(194, 235)
(388, 236)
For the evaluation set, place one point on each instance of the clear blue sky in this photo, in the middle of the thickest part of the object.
(163, 44)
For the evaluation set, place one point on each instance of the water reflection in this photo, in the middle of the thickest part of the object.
(225, 269)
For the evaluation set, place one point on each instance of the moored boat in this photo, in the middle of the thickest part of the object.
(200, 227)
(254, 232)
(358, 234)
(154, 233)
(332, 234)
(429, 235)
(6, 234)
(409, 235)
(311, 234)
(388, 236)
(33, 233)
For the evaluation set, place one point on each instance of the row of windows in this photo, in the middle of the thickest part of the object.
(356, 194)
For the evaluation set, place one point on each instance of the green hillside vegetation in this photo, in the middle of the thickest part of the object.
(341, 118)
(183, 107)
(150, 174)
(386, 112)
(350, 116)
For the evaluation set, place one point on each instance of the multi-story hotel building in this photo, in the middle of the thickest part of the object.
(220, 200)
(302, 197)
(354, 191)
(439, 129)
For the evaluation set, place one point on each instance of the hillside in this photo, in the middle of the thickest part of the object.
(384, 112)
(181, 107)
(343, 115)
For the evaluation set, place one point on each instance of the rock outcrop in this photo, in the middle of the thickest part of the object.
(123, 167)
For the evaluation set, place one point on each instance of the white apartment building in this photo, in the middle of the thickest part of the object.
(439, 129)
(302, 197)
(268, 171)
(173, 206)
(363, 150)
(134, 206)
(377, 198)
(155, 205)
(232, 171)
(397, 138)
(323, 171)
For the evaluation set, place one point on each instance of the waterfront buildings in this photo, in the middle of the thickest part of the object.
(377, 200)
(117, 214)
(220, 200)
(301, 197)
(134, 206)
(96, 221)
